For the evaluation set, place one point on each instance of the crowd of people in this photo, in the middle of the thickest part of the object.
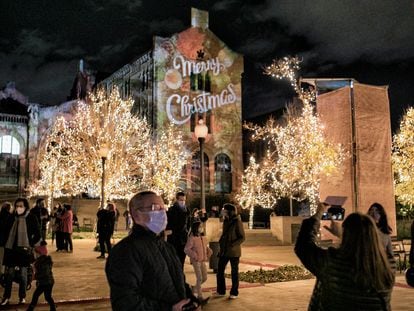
(145, 270)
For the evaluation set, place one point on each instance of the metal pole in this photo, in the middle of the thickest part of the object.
(203, 193)
(355, 181)
(103, 183)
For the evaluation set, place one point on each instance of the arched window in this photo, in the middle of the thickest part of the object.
(222, 171)
(9, 160)
(196, 173)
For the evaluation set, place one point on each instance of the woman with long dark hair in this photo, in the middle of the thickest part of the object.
(377, 212)
(356, 276)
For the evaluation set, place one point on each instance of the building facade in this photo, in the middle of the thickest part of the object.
(183, 78)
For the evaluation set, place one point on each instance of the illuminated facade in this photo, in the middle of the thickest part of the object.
(188, 76)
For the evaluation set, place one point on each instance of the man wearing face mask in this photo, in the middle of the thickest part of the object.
(22, 233)
(143, 270)
(178, 225)
(230, 250)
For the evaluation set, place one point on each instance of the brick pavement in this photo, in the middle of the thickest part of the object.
(81, 283)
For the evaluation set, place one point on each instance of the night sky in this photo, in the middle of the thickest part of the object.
(372, 41)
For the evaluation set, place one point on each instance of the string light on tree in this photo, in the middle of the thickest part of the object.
(298, 151)
(403, 162)
(167, 157)
(254, 190)
(134, 159)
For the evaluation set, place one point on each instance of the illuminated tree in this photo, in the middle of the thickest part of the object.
(254, 189)
(403, 161)
(167, 157)
(106, 121)
(135, 160)
(54, 164)
(298, 150)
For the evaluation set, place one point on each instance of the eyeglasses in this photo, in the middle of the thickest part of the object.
(153, 207)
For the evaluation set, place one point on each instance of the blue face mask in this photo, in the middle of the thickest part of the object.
(158, 221)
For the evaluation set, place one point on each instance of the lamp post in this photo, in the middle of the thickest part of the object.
(201, 131)
(103, 152)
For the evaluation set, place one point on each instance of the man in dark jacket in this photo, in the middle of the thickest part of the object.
(42, 215)
(230, 250)
(178, 226)
(143, 271)
(105, 228)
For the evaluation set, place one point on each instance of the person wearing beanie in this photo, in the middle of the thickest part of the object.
(44, 277)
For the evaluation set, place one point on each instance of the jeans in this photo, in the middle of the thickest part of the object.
(221, 282)
(47, 290)
(10, 273)
(200, 270)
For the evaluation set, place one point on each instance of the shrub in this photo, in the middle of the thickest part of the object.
(282, 274)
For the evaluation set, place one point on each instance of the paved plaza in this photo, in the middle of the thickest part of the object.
(81, 283)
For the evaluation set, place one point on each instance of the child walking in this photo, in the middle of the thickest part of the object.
(198, 251)
(44, 277)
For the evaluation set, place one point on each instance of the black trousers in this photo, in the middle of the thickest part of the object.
(179, 249)
(104, 239)
(47, 290)
(60, 241)
(68, 241)
(221, 282)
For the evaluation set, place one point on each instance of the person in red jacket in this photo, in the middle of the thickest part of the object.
(67, 226)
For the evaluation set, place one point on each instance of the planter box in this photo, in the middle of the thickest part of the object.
(285, 228)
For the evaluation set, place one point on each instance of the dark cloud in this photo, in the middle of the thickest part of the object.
(366, 40)
(345, 31)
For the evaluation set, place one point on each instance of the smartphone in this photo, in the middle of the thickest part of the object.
(326, 216)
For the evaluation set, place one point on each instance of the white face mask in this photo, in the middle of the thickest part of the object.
(20, 210)
(158, 220)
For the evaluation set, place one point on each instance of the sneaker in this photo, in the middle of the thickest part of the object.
(4, 302)
(218, 295)
(101, 257)
(233, 297)
(22, 301)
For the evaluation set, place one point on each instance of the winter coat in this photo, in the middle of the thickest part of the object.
(197, 249)
(40, 212)
(178, 223)
(232, 237)
(21, 257)
(67, 219)
(43, 270)
(4, 216)
(106, 222)
(144, 273)
(335, 288)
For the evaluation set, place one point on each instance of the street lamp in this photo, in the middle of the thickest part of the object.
(201, 131)
(103, 152)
